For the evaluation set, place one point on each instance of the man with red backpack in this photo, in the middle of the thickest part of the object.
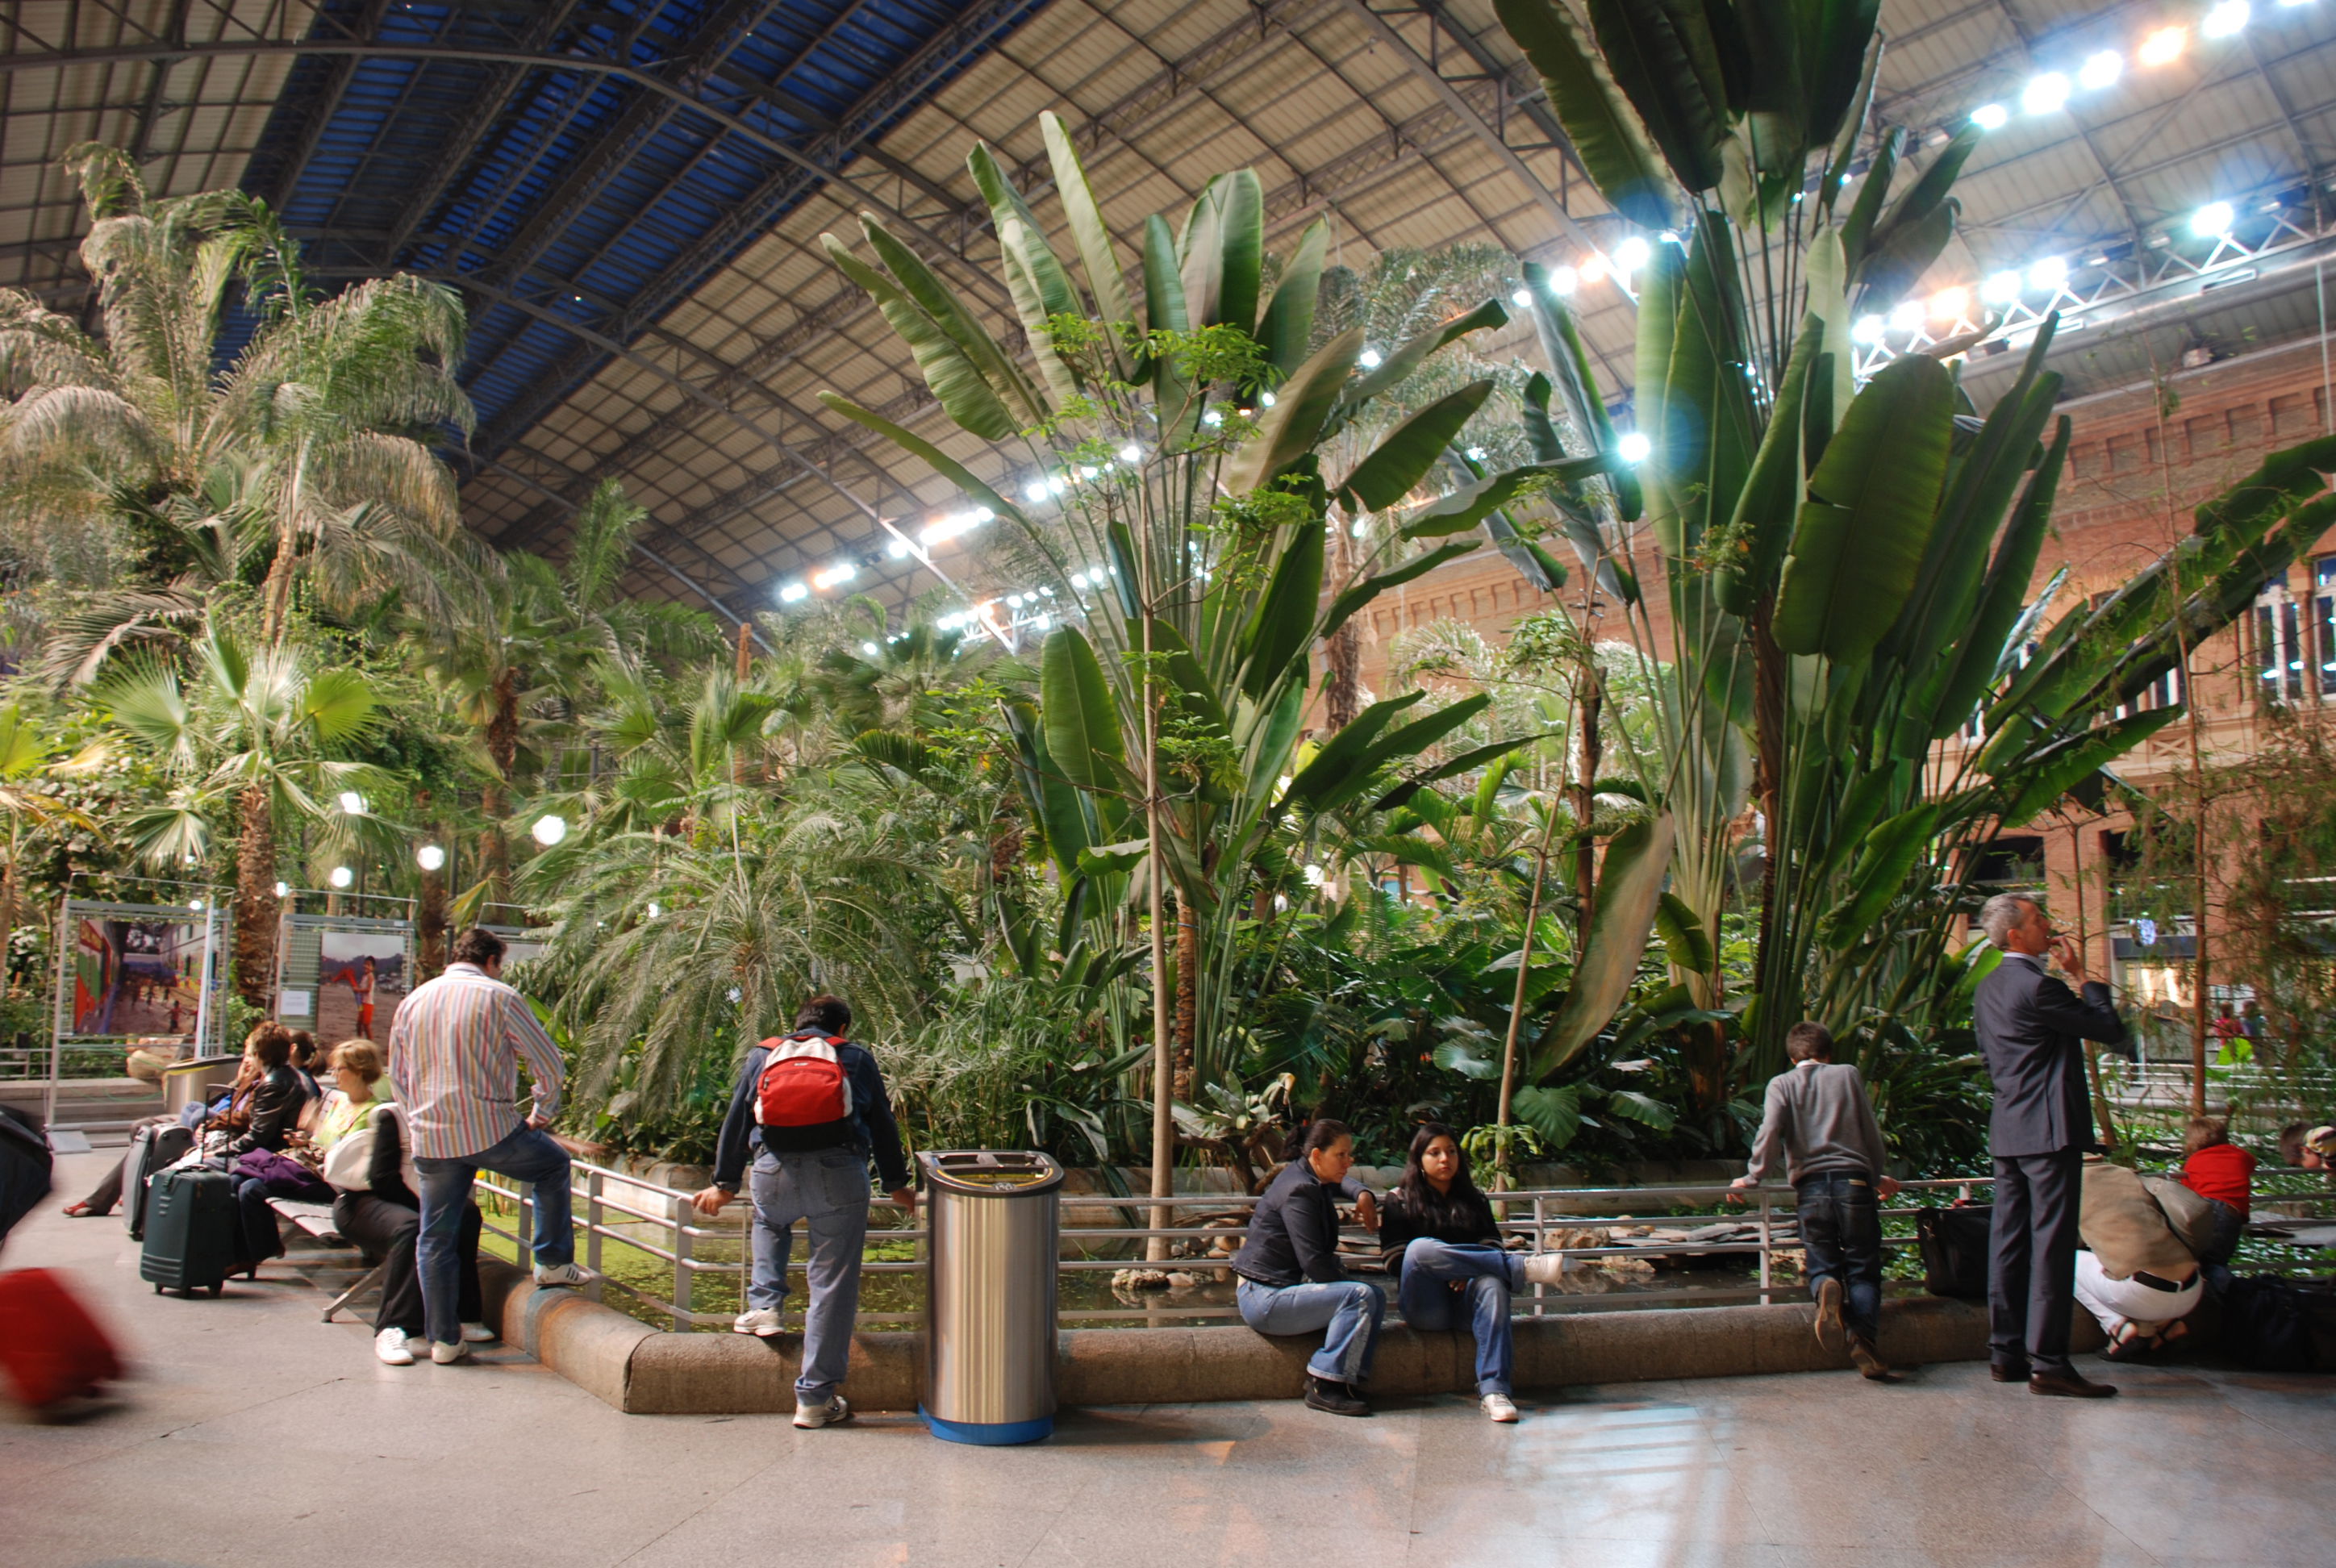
(808, 1110)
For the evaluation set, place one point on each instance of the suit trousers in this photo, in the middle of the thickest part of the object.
(2031, 1266)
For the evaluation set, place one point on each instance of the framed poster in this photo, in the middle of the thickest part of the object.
(343, 976)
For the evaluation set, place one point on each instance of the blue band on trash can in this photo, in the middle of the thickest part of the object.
(988, 1433)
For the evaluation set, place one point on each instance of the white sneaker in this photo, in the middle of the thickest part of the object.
(478, 1334)
(1544, 1269)
(561, 1274)
(390, 1347)
(447, 1354)
(808, 1417)
(762, 1322)
(1500, 1408)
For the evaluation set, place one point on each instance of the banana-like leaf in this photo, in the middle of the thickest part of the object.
(1283, 628)
(1241, 231)
(1871, 503)
(1288, 324)
(1035, 279)
(1764, 508)
(1707, 434)
(1329, 794)
(1291, 428)
(1082, 721)
(1686, 943)
(1468, 761)
(1883, 862)
(1605, 129)
(1466, 1059)
(1632, 1106)
(1829, 393)
(1865, 207)
(964, 395)
(1898, 262)
(2286, 476)
(1630, 889)
(940, 302)
(1201, 254)
(1107, 283)
(1408, 357)
(1355, 598)
(1660, 53)
(1164, 310)
(948, 467)
(1405, 454)
(1929, 193)
(1570, 378)
(1851, 129)
(1470, 505)
(1839, 49)
(2053, 771)
(1335, 755)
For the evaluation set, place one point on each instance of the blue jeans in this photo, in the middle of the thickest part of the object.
(827, 1190)
(1350, 1309)
(528, 1154)
(1841, 1238)
(1442, 1282)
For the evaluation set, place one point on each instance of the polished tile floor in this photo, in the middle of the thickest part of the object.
(255, 1435)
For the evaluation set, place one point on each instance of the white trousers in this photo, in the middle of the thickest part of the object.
(2115, 1302)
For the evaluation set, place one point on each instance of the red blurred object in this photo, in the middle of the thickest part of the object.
(50, 1348)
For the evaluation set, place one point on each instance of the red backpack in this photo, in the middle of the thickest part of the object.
(804, 1099)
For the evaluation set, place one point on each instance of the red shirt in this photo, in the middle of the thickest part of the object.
(2221, 1172)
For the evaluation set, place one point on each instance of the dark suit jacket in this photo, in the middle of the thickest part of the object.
(2028, 1027)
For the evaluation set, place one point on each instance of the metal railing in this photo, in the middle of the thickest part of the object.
(614, 1210)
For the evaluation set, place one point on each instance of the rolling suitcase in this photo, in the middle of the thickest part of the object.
(191, 1225)
(150, 1151)
(50, 1349)
(1954, 1245)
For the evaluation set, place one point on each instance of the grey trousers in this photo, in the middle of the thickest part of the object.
(827, 1191)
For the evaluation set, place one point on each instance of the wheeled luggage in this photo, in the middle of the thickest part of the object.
(50, 1348)
(193, 1229)
(150, 1149)
(1955, 1244)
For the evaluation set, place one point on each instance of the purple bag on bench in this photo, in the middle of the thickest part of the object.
(283, 1176)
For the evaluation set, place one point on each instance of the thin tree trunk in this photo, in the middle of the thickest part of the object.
(1585, 788)
(503, 748)
(1767, 788)
(1342, 685)
(256, 910)
(1501, 1164)
(1188, 999)
(1163, 1069)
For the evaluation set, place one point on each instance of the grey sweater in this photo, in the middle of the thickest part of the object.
(1820, 1112)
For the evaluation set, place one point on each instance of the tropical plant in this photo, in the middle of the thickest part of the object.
(30, 806)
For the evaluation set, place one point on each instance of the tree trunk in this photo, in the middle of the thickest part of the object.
(1768, 743)
(1591, 700)
(1188, 979)
(255, 911)
(503, 749)
(276, 594)
(1342, 685)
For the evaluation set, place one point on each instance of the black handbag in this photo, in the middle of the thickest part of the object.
(1954, 1243)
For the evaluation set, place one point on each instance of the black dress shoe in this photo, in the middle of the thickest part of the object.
(2007, 1371)
(1338, 1399)
(2070, 1385)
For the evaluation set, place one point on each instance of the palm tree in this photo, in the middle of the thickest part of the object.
(258, 735)
(313, 449)
(27, 761)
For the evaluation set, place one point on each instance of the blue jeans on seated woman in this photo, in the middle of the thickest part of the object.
(1350, 1309)
(1444, 1282)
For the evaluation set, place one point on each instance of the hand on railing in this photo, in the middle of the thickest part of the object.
(907, 1198)
(711, 1201)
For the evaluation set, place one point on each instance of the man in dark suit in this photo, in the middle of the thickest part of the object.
(2029, 1029)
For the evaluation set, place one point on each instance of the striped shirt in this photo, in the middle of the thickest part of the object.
(454, 1055)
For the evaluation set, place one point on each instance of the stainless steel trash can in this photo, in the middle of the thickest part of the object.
(995, 1219)
(202, 1078)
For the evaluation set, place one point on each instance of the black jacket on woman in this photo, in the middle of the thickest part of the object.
(386, 1172)
(1461, 1219)
(1294, 1233)
(274, 1106)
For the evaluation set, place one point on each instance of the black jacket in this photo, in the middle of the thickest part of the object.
(275, 1107)
(1294, 1233)
(874, 1130)
(2029, 1026)
(1402, 1221)
(386, 1171)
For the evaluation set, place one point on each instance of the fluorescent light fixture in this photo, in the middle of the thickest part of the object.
(2101, 70)
(2213, 221)
(1866, 329)
(795, 593)
(549, 830)
(1013, 601)
(1521, 298)
(2000, 287)
(1907, 315)
(898, 549)
(1368, 359)
(1563, 280)
(1631, 255)
(1991, 116)
(2050, 273)
(1950, 304)
(430, 857)
(1634, 446)
(354, 803)
(2044, 94)
(2226, 19)
(2164, 47)
(1594, 268)
(341, 876)
(841, 572)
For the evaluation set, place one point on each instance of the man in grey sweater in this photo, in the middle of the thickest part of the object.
(1819, 1112)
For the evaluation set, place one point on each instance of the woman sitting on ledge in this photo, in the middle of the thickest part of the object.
(1291, 1281)
(1443, 1243)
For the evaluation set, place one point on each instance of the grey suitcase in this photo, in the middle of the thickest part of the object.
(150, 1149)
(192, 1224)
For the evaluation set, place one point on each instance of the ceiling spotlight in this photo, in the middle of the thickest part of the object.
(549, 830)
(1563, 280)
(1950, 304)
(194, 903)
(1035, 492)
(341, 876)
(1521, 298)
(1631, 255)
(1315, 876)
(1131, 453)
(1866, 329)
(1369, 359)
(2000, 287)
(869, 648)
(1634, 447)
(2101, 70)
(2050, 273)
(2224, 19)
(283, 890)
(1907, 315)
(653, 911)
(841, 572)
(1086, 473)
(898, 549)
(2164, 47)
(1594, 268)
(430, 857)
(1013, 601)
(1216, 416)
(2044, 94)
(1361, 528)
(1266, 398)
(1078, 579)
(352, 802)
(2213, 221)
(795, 593)
(1991, 116)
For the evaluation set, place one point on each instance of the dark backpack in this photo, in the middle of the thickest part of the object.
(1954, 1243)
(2271, 1325)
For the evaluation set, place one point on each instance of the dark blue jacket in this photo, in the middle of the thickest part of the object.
(1293, 1232)
(873, 1129)
(2031, 1028)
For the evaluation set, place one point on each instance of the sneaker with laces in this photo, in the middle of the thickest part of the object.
(1500, 1408)
(809, 1416)
(478, 1334)
(560, 1274)
(1543, 1268)
(1833, 1332)
(390, 1347)
(1336, 1399)
(447, 1354)
(761, 1322)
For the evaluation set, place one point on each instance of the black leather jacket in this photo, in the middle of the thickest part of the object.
(1293, 1234)
(275, 1105)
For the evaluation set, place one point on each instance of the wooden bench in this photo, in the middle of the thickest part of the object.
(315, 1221)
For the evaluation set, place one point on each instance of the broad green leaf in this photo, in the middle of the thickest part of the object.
(1337, 754)
(1353, 598)
(1632, 1106)
(1686, 945)
(1851, 129)
(1571, 378)
(1660, 53)
(1467, 1059)
(1470, 505)
(1288, 429)
(1839, 47)
(1410, 354)
(1081, 720)
(1201, 254)
(1287, 325)
(948, 467)
(1929, 193)
(1856, 230)
(1605, 131)
(1468, 761)
(1405, 454)
(1630, 887)
(2044, 778)
(1884, 861)
(1106, 283)
(1555, 1114)
(964, 394)
(1241, 231)
(1898, 261)
(1765, 509)
(1328, 793)
(1284, 626)
(2286, 476)
(940, 303)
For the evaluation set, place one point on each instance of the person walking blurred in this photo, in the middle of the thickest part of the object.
(454, 1055)
(2030, 1026)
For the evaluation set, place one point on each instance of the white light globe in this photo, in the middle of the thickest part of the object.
(1631, 255)
(2225, 20)
(2044, 94)
(1634, 446)
(283, 890)
(1907, 317)
(1563, 280)
(2213, 221)
(1991, 117)
(1866, 329)
(1521, 299)
(549, 830)
(1368, 359)
(341, 876)
(2049, 274)
(2000, 287)
(430, 857)
(2101, 70)
(352, 802)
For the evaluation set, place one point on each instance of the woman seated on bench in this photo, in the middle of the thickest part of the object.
(261, 1111)
(1441, 1241)
(1291, 1281)
(384, 1216)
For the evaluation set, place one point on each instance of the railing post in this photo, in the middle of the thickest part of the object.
(683, 1274)
(525, 1222)
(1541, 1244)
(593, 1217)
(1767, 1240)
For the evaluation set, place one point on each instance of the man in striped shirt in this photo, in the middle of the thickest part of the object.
(453, 1055)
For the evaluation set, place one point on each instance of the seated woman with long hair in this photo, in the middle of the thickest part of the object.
(1441, 1241)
